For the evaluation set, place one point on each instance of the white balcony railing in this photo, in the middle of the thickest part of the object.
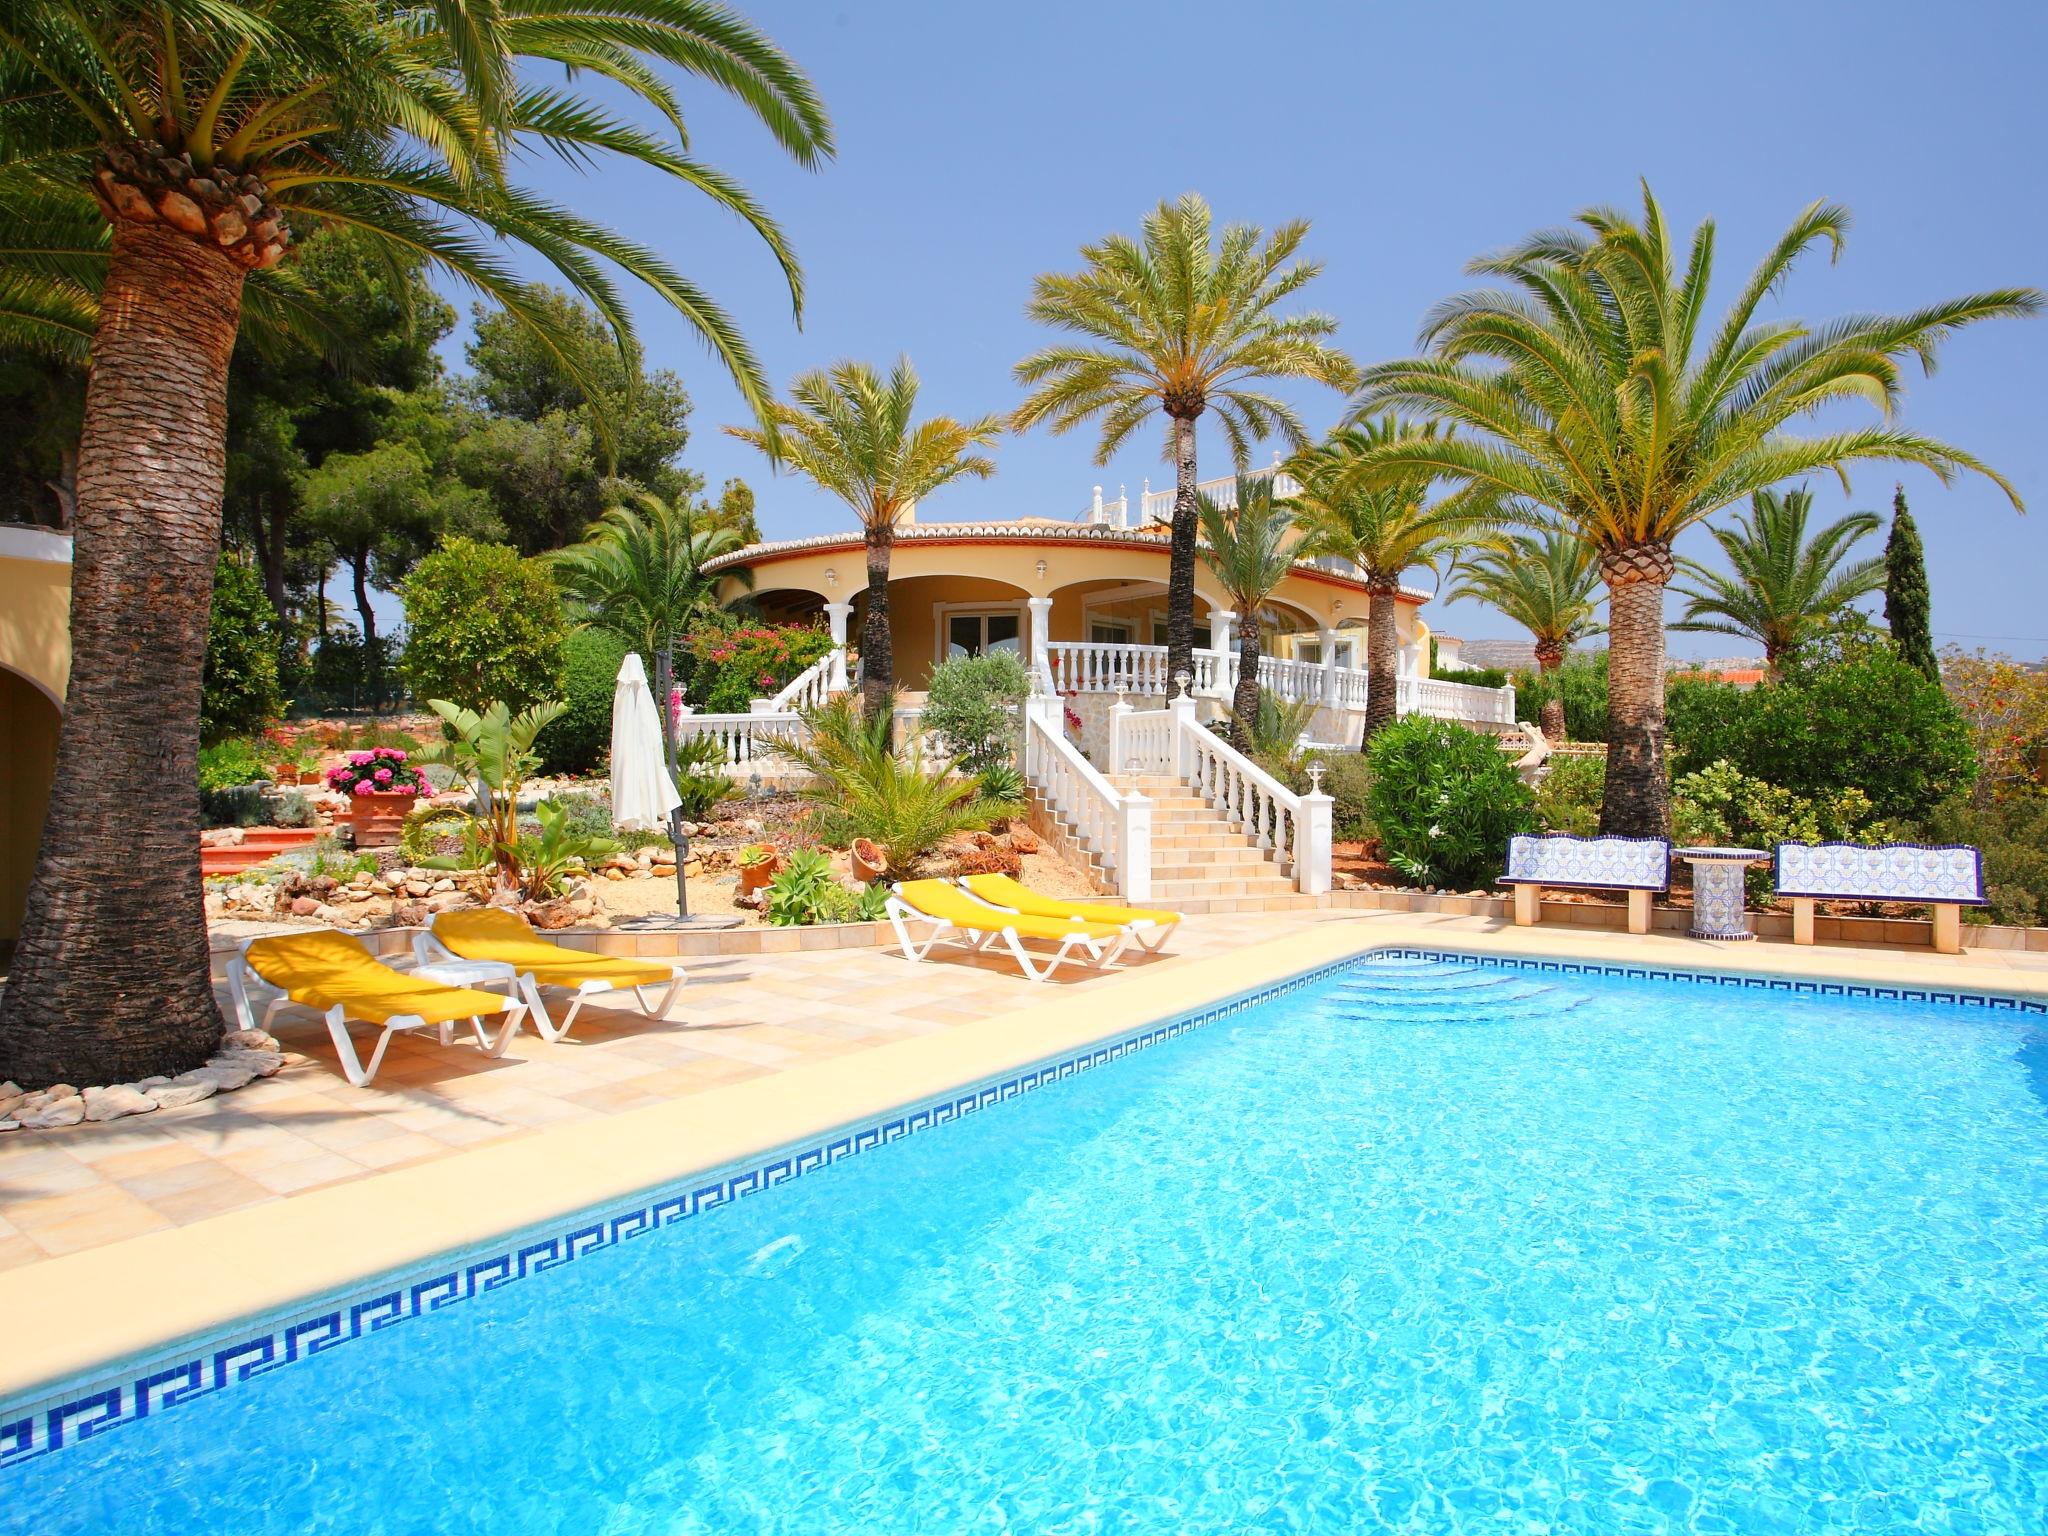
(1157, 506)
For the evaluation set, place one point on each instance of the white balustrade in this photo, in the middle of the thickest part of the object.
(745, 739)
(1444, 700)
(1140, 741)
(1116, 827)
(1157, 506)
(1089, 667)
(1295, 827)
(809, 688)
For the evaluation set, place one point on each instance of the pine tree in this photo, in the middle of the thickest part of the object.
(1907, 606)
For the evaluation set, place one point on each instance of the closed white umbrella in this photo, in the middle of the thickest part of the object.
(642, 792)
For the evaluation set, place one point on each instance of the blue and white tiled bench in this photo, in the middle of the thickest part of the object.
(1948, 876)
(1639, 865)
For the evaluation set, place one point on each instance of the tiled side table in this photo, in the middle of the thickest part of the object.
(1718, 908)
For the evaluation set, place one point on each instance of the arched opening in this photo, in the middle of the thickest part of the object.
(789, 605)
(27, 769)
(1113, 612)
(932, 618)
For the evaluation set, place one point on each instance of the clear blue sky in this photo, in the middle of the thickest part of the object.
(979, 145)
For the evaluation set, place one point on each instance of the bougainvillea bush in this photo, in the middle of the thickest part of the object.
(380, 771)
(731, 667)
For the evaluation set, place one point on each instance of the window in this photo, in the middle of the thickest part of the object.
(1113, 633)
(1202, 641)
(979, 634)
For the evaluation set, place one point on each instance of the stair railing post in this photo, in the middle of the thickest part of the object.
(1134, 848)
(1182, 708)
(1312, 837)
(1119, 712)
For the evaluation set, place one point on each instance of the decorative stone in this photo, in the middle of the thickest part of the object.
(226, 1079)
(440, 886)
(447, 901)
(115, 1102)
(304, 906)
(246, 1040)
(58, 1091)
(55, 1114)
(1024, 840)
(152, 1082)
(178, 1095)
(262, 1063)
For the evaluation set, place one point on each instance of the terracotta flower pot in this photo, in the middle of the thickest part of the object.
(869, 863)
(378, 819)
(758, 877)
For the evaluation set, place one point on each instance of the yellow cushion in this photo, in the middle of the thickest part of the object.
(326, 968)
(943, 899)
(492, 933)
(1005, 892)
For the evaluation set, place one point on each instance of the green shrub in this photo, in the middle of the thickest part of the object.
(1347, 780)
(863, 786)
(227, 764)
(1849, 712)
(1569, 796)
(1722, 806)
(806, 891)
(426, 826)
(974, 707)
(580, 739)
(483, 626)
(1581, 682)
(241, 693)
(701, 780)
(346, 673)
(731, 666)
(1472, 677)
(1445, 801)
(2012, 834)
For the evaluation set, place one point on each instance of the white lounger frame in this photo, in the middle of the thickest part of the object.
(1142, 931)
(1100, 953)
(243, 977)
(427, 950)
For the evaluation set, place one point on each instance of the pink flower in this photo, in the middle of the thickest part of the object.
(361, 759)
(364, 787)
(382, 775)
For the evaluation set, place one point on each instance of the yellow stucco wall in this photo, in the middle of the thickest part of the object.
(35, 607)
(35, 666)
(988, 568)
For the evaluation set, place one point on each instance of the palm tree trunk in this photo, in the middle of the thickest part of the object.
(1382, 659)
(111, 978)
(877, 661)
(1244, 702)
(1549, 658)
(1180, 565)
(1638, 795)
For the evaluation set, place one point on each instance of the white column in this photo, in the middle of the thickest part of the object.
(1119, 712)
(1183, 710)
(1134, 849)
(837, 615)
(1220, 640)
(1041, 634)
(1327, 639)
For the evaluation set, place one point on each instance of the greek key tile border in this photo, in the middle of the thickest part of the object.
(146, 1388)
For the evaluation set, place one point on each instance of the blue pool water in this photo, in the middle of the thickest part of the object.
(1420, 1247)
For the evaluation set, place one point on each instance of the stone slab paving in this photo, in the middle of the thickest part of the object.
(739, 1018)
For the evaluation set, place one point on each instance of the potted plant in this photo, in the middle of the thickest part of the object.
(869, 862)
(381, 786)
(758, 863)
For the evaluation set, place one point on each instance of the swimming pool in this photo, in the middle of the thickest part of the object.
(1420, 1244)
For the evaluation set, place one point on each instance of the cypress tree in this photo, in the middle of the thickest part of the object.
(1908, 608)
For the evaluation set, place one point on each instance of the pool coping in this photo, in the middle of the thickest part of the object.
(273, 1274)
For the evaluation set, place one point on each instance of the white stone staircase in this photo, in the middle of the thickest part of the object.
(1201, 863)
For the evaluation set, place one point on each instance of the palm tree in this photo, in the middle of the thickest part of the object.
(1180, 324)
(206, 131)
(851, 431)
(1384, 525)
(1247, 551)
(1785, 587)
(1590, 394)
(640, 573)
(1544, 582)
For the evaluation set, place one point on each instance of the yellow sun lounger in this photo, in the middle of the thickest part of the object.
(958, 918)
(1148, 926)
(334, 974)
(495, 934)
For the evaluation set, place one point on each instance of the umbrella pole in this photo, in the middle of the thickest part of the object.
(682, 847)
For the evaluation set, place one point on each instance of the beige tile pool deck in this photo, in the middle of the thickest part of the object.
(119, 1238)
